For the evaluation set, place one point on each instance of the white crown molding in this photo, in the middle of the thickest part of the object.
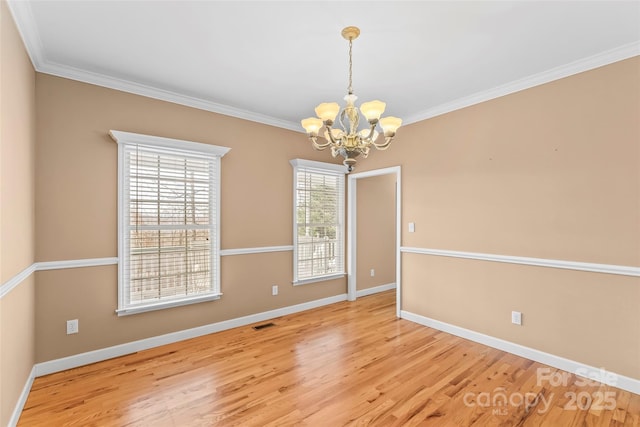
(23, 16)
(99, 79)
(622, 270)
(601, 59)
(610, 378)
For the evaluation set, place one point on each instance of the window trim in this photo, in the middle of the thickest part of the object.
(320, 167)
(125, 139)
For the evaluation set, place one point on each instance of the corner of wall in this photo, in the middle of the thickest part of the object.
(17, 219)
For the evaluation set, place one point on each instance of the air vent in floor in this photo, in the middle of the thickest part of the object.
(265, 325)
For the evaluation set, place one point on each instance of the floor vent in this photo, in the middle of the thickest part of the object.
(265, 325)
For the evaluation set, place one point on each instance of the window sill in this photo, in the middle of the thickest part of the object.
(318, 279)
(166, 304)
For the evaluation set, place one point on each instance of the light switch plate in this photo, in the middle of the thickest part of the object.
(516, 318)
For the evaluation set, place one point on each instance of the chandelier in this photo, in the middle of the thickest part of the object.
(350, 142)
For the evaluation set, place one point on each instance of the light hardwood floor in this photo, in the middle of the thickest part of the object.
(345, 364)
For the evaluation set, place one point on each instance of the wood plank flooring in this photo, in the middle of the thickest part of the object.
(347, 364)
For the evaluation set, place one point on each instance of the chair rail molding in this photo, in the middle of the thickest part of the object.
(539, 262)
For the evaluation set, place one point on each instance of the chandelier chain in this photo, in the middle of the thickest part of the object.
(350, 88)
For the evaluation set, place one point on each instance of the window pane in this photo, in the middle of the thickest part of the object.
(319, 223)
(169, 210)
(169, 189)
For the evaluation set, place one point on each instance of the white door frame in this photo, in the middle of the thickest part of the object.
(352, 234)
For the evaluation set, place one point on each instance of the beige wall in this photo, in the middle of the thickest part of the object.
(76, 190)
(587, 317)
(376, 230)
(550, 172)
(17, 139)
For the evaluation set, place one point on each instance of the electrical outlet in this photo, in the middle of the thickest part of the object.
(72, 327)
(412, 227)
(516, 318)
(274, 290)
(373, 272)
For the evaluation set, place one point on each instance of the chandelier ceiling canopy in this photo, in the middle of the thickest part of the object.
(350, 141)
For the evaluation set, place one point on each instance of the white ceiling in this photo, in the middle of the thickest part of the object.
(274, 61)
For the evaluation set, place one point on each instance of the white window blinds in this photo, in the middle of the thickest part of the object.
(319, 221)
(169, 250)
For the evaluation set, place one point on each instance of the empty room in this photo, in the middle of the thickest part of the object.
(319, 213)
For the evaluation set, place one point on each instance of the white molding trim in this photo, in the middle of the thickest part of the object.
(16, 280)
(317, 279)
(174, 144)
(539, 262)
(97, 262)
(82, 359)
(23, 17)
(26, 23)
(610, 378)
(128, 311)
(53, 265)
(619, 53)
(352, 249)
(328, 169)
(75, 263)
(211, 155)
(22, 399)
(98, 79)
(257, 250)
(375, 290)
(320, 166)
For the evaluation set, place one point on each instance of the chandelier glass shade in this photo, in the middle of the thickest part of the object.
(349, 141)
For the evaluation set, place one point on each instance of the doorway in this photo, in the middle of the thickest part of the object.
(352, 232)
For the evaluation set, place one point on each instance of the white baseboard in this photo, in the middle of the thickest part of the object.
(44, 368)
(607, 377)
(375, 290)
(17, 411)
(82, 359)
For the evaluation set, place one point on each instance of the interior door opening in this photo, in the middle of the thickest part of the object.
(385, 221)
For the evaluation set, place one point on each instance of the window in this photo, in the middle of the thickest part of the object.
(168, 245)
(318, 252)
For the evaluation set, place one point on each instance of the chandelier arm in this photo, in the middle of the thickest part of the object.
(332, 140)
(385, 144)
(320, 146)
(371, 130)
(316, 145)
